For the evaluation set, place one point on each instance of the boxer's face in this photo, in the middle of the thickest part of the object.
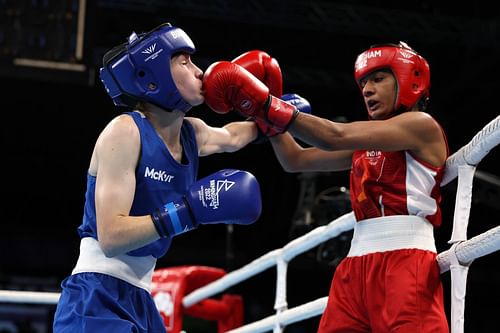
(379, 93)
(188, 78)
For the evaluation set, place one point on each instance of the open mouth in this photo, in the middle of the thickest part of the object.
(372, 105)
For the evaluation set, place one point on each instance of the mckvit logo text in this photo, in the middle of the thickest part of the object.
(159, 175)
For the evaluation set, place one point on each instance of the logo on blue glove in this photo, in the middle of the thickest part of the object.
(210, 194)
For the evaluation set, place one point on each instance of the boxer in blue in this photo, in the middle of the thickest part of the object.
(142, 186)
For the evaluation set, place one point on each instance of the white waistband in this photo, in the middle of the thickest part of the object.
(135, 270)
(391, 233)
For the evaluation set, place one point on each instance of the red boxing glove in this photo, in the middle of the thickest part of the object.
(266, 69)
(229, 86)
(263, 67)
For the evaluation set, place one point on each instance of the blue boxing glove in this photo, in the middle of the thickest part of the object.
(228, 196)
(299, 102)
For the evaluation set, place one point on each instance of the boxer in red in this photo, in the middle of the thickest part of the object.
(390, 281)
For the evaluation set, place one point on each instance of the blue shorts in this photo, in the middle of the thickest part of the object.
(93, 302)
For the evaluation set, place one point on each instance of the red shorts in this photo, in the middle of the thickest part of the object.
(393, 291)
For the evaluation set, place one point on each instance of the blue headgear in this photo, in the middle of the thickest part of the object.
(140, 69)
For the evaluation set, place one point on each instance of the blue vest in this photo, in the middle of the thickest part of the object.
(159, 179)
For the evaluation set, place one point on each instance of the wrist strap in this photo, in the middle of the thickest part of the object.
(158, 223)
(280, 114)
(173, 219)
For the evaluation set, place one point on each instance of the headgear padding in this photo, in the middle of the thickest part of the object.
(139, 70)
(411, 70)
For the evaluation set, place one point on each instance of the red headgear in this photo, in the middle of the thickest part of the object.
(410, 69)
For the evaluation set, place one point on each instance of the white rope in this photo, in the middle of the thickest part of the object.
(473, 152)
(29, 297)
(290, 316)
(288, 252)
(463, 201)
(474, 248)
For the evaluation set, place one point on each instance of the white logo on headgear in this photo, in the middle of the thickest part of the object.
(362, 60)
(406, 55)
(176, 34)
(152, 53)
(150, 49)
